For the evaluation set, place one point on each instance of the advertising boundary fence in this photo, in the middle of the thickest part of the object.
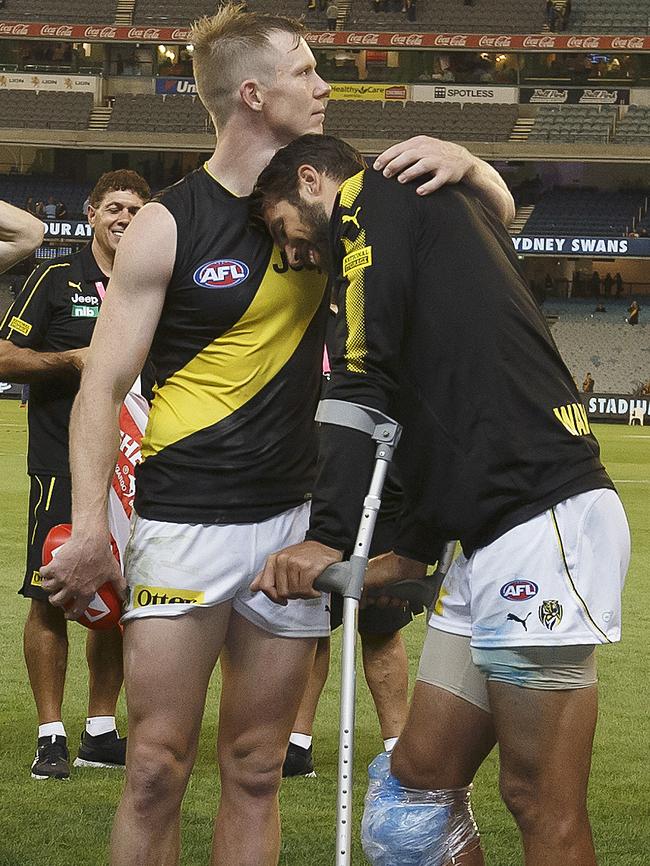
(355, 39)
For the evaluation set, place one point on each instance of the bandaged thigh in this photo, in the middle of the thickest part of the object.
(406, 827)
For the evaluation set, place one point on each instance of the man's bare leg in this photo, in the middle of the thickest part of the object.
(264, 678)
(386, 668)
(304, 723)
(45, 643)
(167, 666)
(105, 670)
(545, 743)
(444, 742)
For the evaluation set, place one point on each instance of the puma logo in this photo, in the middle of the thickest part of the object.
(514, 618)
(352, 218)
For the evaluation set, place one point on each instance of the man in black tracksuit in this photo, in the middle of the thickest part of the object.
(429, 291)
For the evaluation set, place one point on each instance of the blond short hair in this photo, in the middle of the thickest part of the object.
(230, 47)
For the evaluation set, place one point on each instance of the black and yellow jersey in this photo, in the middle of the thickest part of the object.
(238, 355)
(55, 311)
(438, 328)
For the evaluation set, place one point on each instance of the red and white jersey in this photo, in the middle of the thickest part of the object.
(133, 420)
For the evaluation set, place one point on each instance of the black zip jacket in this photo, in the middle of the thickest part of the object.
(437, 328)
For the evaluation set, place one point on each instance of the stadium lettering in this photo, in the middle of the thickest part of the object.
(184, 86)
(616, 405)
(100, 32)
(477, 94)
(363, 39)
(14, 29)
(321, 38)
(451, 41)
(495, 42)
(539, 245)
(628, 42)
(143, 33)
(406, 39)
(583, 42)
(538, 42)
(599, 245)
(50, 30)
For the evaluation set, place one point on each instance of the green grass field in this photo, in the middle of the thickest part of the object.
(67, 824)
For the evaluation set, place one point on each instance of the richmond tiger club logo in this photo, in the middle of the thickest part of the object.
(550, 613)
(221, 274)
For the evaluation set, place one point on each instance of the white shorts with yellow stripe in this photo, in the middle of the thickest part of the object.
(170, 568)
(555, 580)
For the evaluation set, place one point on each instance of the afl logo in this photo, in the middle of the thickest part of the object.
(519, 590)
(221, 274)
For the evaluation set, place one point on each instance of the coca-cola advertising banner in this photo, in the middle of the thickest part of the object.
(447, 41)
(575, 95)
(482, 41)
(45, 81)
(93, 32)
(463, 93)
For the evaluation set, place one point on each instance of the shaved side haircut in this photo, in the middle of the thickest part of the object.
(231, 47)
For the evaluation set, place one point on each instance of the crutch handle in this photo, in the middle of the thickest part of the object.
(335, 578)
(345, 578)
(419, 594)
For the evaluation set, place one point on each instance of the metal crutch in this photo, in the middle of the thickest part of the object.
(347, 579)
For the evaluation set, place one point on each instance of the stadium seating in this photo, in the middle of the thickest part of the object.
(605, 16)
(73, 11)
(586, 212)
(617, 355)
(27, 109)
(634, 128)
(347, 118)
(142, 112)
(512, 16)
(17, 188)
(396, 120)
(578, 123)
(183, 12)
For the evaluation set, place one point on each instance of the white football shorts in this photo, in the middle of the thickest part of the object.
(555, 580)
(170, 568)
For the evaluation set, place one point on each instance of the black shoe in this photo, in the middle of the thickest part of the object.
(52, 760)
(104, 750)
(298, 762)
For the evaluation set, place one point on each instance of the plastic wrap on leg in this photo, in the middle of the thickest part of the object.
(406, 827)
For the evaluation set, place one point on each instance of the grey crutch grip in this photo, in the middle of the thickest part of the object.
(346, 578)
(424, 592)
(354, 416)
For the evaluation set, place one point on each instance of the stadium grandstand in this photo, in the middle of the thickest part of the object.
(555, 95)
(602, 342)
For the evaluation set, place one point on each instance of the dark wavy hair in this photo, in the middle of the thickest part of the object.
(279, 180)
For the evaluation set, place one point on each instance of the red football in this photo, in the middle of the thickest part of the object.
(104, 610)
